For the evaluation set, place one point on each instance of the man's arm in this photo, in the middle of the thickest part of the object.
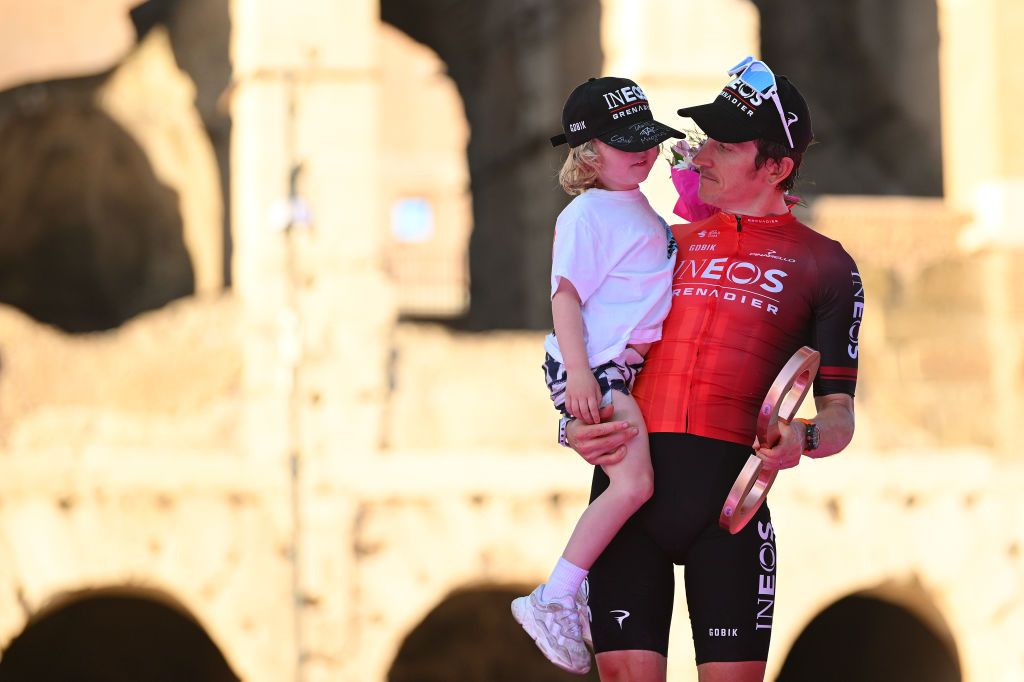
(837, 315)
(835, 431)
(835, 424)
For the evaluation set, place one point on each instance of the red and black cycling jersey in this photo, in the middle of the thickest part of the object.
(747, 293)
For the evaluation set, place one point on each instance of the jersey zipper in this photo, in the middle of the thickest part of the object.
(712, 308)
(739, 237)
(709, 313)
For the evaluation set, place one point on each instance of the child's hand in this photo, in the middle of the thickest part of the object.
(583, 397)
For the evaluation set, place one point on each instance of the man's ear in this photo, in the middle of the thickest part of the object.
(778, 170)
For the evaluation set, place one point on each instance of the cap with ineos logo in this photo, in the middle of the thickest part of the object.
(615, 111)
(741, 113)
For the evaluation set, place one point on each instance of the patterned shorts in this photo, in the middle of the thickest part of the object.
(617, 374)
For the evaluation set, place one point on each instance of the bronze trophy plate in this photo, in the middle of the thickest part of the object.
(781, 403)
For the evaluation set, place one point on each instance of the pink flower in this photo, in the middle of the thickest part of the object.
(689, 207)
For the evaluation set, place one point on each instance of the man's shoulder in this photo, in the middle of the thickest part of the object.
(823, 247)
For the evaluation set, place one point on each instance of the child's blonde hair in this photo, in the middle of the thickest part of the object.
(579, 172)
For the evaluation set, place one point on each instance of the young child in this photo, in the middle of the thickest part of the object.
(611, 278)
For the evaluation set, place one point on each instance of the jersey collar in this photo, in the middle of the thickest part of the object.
(729, 219)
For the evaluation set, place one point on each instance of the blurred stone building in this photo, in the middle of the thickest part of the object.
(273, 284)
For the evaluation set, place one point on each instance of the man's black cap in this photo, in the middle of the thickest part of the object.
(740, 113)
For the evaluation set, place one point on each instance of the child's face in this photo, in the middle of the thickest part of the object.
(623, 170)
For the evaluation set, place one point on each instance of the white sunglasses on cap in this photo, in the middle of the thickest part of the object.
(755, 74)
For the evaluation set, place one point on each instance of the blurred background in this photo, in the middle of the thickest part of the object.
(273, 287)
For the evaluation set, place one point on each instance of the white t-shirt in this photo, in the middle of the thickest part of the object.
(614, 249)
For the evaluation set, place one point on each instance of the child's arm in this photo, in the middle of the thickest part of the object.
(582, 393)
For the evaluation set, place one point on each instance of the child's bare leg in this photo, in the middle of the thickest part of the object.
(556, 614)
(631, 484)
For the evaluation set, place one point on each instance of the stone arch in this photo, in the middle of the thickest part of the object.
(423, 128)
(117, 635)
(89, 236)
(513, 64)
(870, 72)
(470, 636)
(200, 36)
(107, 200)
(889, 634)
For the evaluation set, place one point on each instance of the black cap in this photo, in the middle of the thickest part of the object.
(615, 111)
(740, 113)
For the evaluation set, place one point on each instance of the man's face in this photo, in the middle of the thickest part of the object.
(728, 178)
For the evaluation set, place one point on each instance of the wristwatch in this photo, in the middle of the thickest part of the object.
(562, 423)
(811, 435)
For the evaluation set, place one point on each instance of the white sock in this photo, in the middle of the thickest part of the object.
(565, 581)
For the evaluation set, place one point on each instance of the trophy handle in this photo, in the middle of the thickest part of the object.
(781, 403)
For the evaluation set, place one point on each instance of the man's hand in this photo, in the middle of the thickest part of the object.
(787, 452)
(603, 443)
(835, 430)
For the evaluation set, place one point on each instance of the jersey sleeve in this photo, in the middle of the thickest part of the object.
(578, 257)
(836, 328)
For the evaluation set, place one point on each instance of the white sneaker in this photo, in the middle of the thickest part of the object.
(555, 627)
(583, 608)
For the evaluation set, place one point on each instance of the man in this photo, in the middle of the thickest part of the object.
(751, 286)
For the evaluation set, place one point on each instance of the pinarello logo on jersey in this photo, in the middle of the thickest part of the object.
(771, 253)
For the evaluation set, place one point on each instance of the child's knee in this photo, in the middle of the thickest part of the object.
(644, 487)
(636, 489)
